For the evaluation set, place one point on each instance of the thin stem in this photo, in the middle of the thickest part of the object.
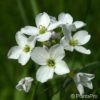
(22, 12)
(34, 7)
(34, 91)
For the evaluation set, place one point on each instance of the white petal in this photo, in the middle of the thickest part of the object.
(61, 68)
(44, 37)
(57, 52)
(28, 83)
(70, 28)
(52, 19)
(65, 18)
(67, 32)
(42, 19)
(82, 50)
(77, 80)
(21, 39)
(54, 25)
(24, 58)
(44, 73)
(66, 45)
(32, 41)
(40, 55)
(88, 84)
(29, 79)
(86, 77)
(79, 24)
(82, 36)
(19, 87)
(80, 88)
(29, 30)
(14, 52)
(89, 76)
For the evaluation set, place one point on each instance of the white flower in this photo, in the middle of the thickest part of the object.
(22, 52)
(83, 79)
(67, 19)
(24, 84)
(50, 61)
(76, 41)
(45, 24)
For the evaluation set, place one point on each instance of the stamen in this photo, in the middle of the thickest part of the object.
(26, 48)
(42, 30)
(51, 62)
(73, 42)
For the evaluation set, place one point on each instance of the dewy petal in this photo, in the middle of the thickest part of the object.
(57, 52)
(29, 30)
(79, 24)
(65, 18)
(54, 25)
(40, 55)
(61, 68)
(14, 52)
(82, 36)
(82, 50)
(42, 19)
(21, 39)
(65, 43)
(44, 73)
(24, 58)
(44, 37)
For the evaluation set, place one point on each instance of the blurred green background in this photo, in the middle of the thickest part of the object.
(15, 14)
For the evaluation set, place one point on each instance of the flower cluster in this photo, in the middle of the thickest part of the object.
(49, 55)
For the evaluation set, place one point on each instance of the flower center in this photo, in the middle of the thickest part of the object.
(73, 42)
(51, 62)
(26, 48)
(42, 30)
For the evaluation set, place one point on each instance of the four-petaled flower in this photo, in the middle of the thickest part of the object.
(44, 28)
(83, 79)
(24, 84)
(76, 41)
(22, 52)
(51, 62)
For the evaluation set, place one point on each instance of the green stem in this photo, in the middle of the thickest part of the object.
(34, 91)
(34, 7)
(22, 12)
